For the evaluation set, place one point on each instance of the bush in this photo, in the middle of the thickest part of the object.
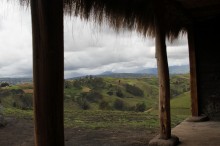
(110, 93)
(83, 103)
(119, 104)
(104, 105)
(77, 84)
(68, 84)
(119, 93)
(97, 83)
(27, 100)
(131, 108)
(17, 91)
(140, 107)
(134, 90)
(4, 84)
(93, 96)
(24, 101)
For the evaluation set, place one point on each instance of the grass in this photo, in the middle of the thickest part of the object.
(180, 108)
(18, 113)
(109, 119)
(181, 101)
(95, 119)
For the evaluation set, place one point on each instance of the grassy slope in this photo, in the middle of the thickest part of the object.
(180, 108)
(142, 84)
(181, 101)
(75, 117)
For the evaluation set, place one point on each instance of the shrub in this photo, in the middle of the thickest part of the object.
(17, 91)
(104, 105)
(119, 104)
(97, 83)
(119, 93)
(77, 84)
(134, 90)
(110, 93)
(27, 100)
(24, 101)
(4, 84)
(83, 103)
(68, 84)
(93, 96)
(140, 107)
(131, 108)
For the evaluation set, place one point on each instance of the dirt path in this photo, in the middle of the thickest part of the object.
(19, 132)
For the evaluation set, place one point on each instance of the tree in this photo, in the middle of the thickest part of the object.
(5, 84)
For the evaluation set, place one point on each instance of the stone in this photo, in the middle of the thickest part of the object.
(157, 141)
(202, 118)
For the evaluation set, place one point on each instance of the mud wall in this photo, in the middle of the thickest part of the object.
(207, 44)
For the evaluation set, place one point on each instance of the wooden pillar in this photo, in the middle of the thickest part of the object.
(193, 74)
(48, 64)
(164, 83)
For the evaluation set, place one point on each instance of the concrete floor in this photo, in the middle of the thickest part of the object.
(198, 133)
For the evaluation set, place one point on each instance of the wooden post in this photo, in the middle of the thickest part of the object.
(48, 64)
(193, 76)
(164, 83)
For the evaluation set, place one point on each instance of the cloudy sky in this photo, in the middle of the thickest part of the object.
(89, 48)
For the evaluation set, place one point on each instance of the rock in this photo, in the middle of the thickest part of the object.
(157, 141)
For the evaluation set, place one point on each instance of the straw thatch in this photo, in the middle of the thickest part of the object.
(136, 15)
(139, 15)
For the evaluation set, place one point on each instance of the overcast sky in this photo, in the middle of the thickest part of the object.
(89, 49)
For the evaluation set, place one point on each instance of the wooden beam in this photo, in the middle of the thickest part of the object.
(193, 73)
(48, 64)
(164, 82)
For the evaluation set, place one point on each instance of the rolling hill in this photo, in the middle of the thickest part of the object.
(105, 93)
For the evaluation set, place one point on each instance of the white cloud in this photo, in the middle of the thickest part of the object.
(89, 49)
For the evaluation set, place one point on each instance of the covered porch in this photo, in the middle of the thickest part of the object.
(159, 19)
(198, 133)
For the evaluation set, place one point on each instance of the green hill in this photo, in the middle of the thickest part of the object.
(94, 93)
(95, 102)
(104, 93)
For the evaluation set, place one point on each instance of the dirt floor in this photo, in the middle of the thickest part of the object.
(19, 132)
(198, 133)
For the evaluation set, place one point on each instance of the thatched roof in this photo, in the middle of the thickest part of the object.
(140, 15)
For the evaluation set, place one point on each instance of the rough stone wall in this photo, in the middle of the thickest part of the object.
(207, 43)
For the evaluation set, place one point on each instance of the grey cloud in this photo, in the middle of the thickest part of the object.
(0, 24)
(178, 52)
(89, 48)
(182, 40)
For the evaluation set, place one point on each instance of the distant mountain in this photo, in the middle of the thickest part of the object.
(151, 71)
(122, 75)
(107, 73)
(182, 69)
(16, 80)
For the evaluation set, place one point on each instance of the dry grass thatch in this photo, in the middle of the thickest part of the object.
(139, 15)
(136, 15)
